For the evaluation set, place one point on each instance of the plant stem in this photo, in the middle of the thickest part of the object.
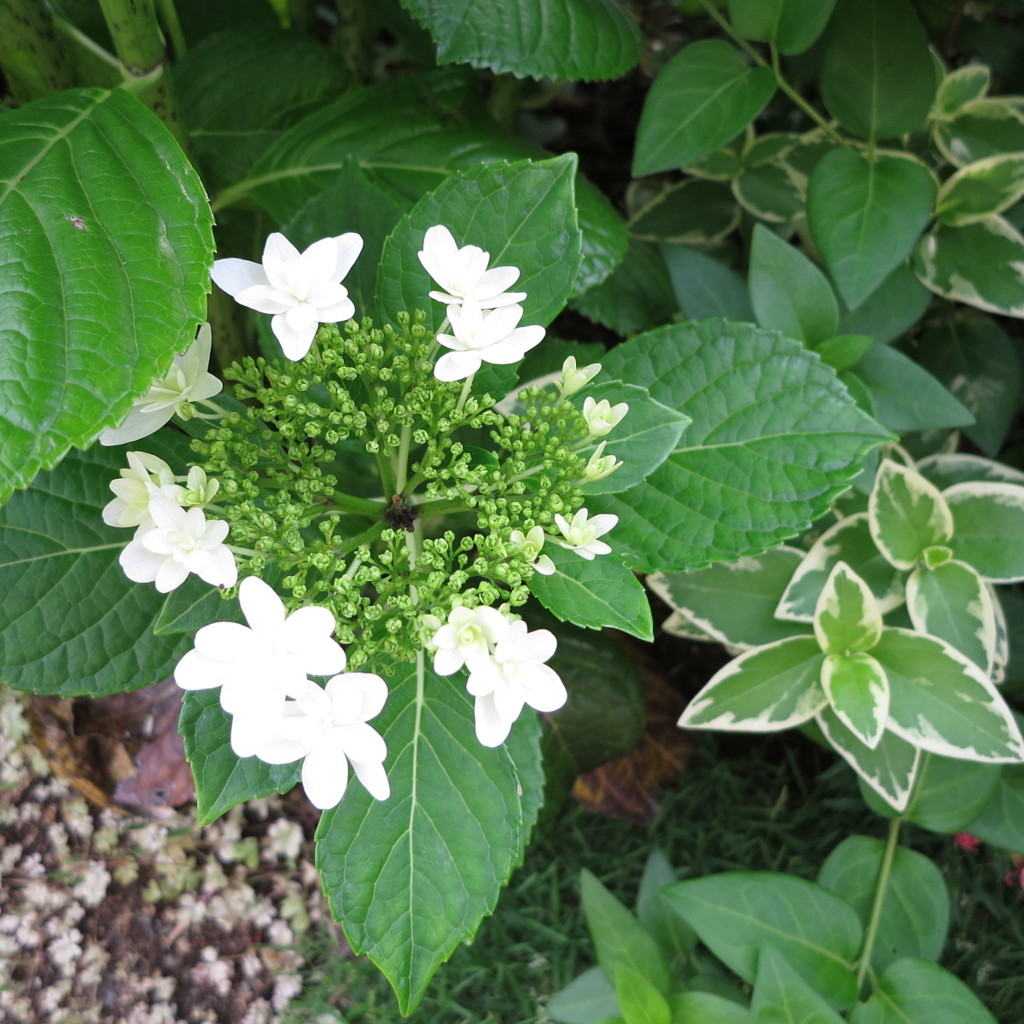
(169, 15)
(876, 908)
(352, 41)
(359, 506)
(32, 55)
(402, 467)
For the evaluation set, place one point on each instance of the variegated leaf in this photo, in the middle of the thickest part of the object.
(961, 86)
(942, 702)
(951, 601)
(1001, 655)
(947, 468)
(980, 128)
(979, 189)
(847, 541)
(890, 769)
(858, 692)
(906, 514)
(678, 624)
(988, 526)
(764, 690)
(846, 617)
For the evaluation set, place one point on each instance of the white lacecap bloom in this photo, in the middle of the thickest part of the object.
(175, 543)
(514, 675)
(301, 290)
(602, 416)
(572, 379)
(467, 638)
(600, 465)
(462, 272)
(327, 727)
(259, 664)
(146, 477)
(483, 337)
(582, 532)
(188, 380)
(531, 544)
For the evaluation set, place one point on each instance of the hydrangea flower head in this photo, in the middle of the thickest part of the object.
(582, 532)
(188, 380)
(479, 337)
(301, 290)
(462, 272)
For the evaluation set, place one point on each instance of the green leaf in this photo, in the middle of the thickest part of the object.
(109, 248)
(770, 186)
(619, 938)
(283, 76)
(988, 518)
(891, 309)
(980, 264)
(788, 292)
(791, 26)
(960, 86)
(981, 366)
(1001, 822)
(574, 39)
(72, 622)
(412, 876)
(691, 212)
(781, 996)
(759, 403)
(191, 606)
(674, 936)
(639, 1001)
(980, 129)
(707, 1008)
(736, 912)
(706, 287)
(951, 793)
(523, 214)
(642, 441)
(222, 778)
(734, 602)
(847, 541)
(724, 164)
(917, 990)
(844, 350)
(773, 687)
(865, 216)
(705, 95)
(915, 913)
(858, 692)
(907, 514)
(890, 768)
(982, 188)
(943, 703)
(877, 78)
(600, 592)
(952, 602)
(947, 468)
(586, 999)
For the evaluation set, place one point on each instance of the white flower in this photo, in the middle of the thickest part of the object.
(328, 728)
(186, 381)
(515, 675)
(260, 664)
(600, 465)
(581, 534)
(572, 379)
(199, 489)
(301, 290)
(463, 274)
(530, 544)
(146, 477)
(177, 543)
(602, 416)
(467, 638)
(479, 337)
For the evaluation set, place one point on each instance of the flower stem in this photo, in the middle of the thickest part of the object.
(465, 393)
(881, 886)
(359, 506)
(402, 466)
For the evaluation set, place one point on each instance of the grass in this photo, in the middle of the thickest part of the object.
(775, 804)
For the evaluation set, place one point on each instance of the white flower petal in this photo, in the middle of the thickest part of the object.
(491, 729)
(325, 775)
(262, 608)
(361, 742)
(170, 576)
(137, 424)
(225, 641)
(194, 671)
(374, 779)
(294, 343)
(278, 256)
(257, 728)
(456, 366)
(545, 691)
(350, 245)
(235, 275)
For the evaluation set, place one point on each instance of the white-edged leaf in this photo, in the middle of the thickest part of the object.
(979, 189)
(858, 692)
(978, 129)
(960, 86)
(944, 469)
(1001, 648)
(846, 617)
(890, 769)
(681, 625)
(847, 541)
(764, 690)
(942, 702)
(906, 514)
(951, 601)
(988, 520)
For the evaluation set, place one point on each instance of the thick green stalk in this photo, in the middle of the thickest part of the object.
(141, 47)
(881, 886)
(33, 56)
(352, 39)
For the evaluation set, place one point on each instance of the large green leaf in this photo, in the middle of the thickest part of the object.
(791, 26)
(523, 214)
(412, 133)
(816, 931)
(412, 876)
(706, 287)
(1002, 820)
(877, 80)
(702, 97)
(865, 216)
(107, 247)
(915, 913)
(781, 996)
(774, 439)
(222, 778)
(586, 999)
(577, 39)
(72, 622)
(988, 520)
(891, 309)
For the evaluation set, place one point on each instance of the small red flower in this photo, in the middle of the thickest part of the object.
(966, 841)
